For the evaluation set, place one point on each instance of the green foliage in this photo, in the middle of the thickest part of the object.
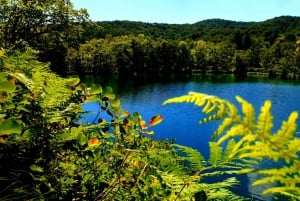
(49, 26)
(46, 154)
(250, 140)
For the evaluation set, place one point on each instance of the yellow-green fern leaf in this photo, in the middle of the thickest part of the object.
(216, 154)
(232, 118)
(212, 105)
(287, 130)
(265, 121)
(193, 156)
(238, 130)
(248, 113)
(292, 192)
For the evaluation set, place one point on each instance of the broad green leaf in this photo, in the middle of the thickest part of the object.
(156, 120)
(116, 103)
(8, 127)
(95, 90)
(7, 86)
(82, 139)
(72, 82)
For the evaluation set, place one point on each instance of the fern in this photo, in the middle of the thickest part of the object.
(250, 140)
(194, 157)
(48, 88)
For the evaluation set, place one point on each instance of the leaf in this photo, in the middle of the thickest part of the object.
(8, 127)
(72, 82)
(143, 124)
(95, 90)
(94, 142)
(124, 114)
(148, 132)
(7, 86)
(116, 103)
(157, 119)
(215, 153)
(36, 168)
(21, 107)
(82, 139)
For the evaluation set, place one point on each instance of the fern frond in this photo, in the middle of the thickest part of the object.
(219, 190)
(238, 130)
(212, 105)
(248, 113)
(292, 192)
(216, 154)
(228, 150)
(254, 142)
(178, 185)
(193, 156)
(265, 121)
(287, 130)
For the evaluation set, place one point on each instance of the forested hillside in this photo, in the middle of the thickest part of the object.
(75, 45)
(212, 30)
(267, 48)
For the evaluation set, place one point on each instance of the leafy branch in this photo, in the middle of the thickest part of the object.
(250, 140)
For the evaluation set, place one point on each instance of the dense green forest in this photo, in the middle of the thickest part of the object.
(211, 46)
(46, 153)
(75, 45)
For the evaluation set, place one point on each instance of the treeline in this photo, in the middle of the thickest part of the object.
(210, 46)
(72, 43)
(131, 55)
(214, 30)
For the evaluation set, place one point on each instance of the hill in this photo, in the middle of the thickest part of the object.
(212, 30)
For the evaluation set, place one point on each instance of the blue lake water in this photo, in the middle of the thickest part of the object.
(181, 120)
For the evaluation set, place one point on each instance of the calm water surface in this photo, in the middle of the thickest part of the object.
(181, 120)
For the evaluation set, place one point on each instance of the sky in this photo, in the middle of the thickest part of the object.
(187, 11)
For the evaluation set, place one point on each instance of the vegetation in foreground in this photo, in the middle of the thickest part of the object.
(47, 155)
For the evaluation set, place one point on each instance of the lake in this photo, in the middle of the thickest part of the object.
(181, 120)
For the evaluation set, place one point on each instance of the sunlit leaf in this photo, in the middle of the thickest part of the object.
(7, 86)
(36, 168)
(95, 90)
(116, 103)
(156, 120)
(143, 124)
(94, 142)
(79, 87)
(125, 113)
(8, 127)
(82, 139)
(109, 96)
(148, 132)
(72, 82)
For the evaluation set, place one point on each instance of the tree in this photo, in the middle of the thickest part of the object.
(49, 26)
